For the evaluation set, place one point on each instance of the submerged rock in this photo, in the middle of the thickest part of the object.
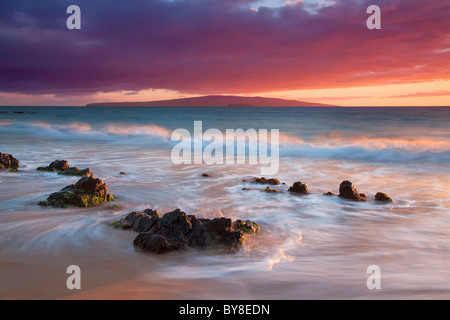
(329, 193)
(87, 192)
(7, 161)
(74, 171)
(206, 175)
(348, 191)
(381, 196)
(177, 230)
(299, 188)
(268, 189)
(263, 180)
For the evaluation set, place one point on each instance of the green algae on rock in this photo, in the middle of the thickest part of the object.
(87, 192)
(55, 166)
(74, 171)
(63, 168)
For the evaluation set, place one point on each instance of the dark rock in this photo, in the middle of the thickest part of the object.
(155, 243)
(145, 221)
(363, 195)
(348, 191)
(247, 189)
(380, 196)
(329, 193)
(74, 171)
(206, 175)
(7, 161)
(299, 188)
(87, 192)
(263, 180)
(55, 166)
(123, 173)
(176, 231)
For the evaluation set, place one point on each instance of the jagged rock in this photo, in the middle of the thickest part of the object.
(299, 188)
(55, 166)
(87, 192)
(348, 191)
(138, 221)
(7, 161)
(176, 231)
(381, 196)
(263, 180)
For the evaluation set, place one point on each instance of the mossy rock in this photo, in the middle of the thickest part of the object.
(119, 225)
(247, 226)
(87, 192)
(74, 171)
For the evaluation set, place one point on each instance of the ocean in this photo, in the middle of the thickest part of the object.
(312, 246)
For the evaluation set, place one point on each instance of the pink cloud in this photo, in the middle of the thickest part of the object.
(439, 93)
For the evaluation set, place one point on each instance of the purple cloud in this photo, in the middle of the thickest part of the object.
(216, 46)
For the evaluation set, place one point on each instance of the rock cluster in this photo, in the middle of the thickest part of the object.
(263, 180)
(177, 230)
(63, 167)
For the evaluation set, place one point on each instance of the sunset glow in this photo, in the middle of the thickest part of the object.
(317, 51)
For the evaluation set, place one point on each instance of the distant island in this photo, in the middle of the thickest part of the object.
(214, 101)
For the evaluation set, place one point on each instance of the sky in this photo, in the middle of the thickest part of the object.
(141, 50)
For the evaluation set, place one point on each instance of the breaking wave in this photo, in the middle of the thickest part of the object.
(329, 146)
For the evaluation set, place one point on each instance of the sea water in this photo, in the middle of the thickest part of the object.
(311, 246)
